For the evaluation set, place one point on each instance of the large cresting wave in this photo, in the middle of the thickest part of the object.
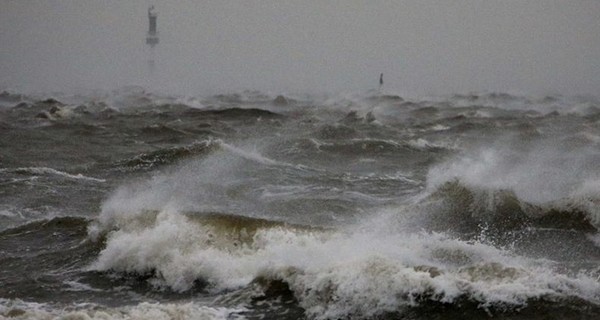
(189, 228)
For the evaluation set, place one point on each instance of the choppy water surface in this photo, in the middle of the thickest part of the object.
(361, 206)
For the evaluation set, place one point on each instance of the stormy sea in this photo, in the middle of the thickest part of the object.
(132, 204)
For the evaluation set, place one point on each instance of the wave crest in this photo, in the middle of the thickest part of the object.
(332, 273)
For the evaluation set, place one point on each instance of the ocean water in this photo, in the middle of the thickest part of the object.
(131, 204)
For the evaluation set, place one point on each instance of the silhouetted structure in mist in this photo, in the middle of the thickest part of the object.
(152, 37)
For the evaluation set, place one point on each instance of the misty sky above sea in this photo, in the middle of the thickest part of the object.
(422, 47)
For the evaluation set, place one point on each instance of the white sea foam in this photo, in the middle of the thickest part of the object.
(439, 127)
(398, 176)
(192, 102)
(421, 143)
(17, 309)
(253, 155)
(543, 175)
(50, 171)
(10, 214)
(539, 176)
(196, 185)
(78, 286)
(334, 274)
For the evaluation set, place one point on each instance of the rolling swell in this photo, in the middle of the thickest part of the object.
(37, 256)
(233, 113)
(462, 207)
(149, 160)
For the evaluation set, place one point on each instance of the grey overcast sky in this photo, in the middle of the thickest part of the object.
(422, 46)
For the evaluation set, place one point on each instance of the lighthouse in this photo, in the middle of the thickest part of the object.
(152, 36)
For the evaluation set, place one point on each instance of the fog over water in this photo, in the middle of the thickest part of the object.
(422, 47)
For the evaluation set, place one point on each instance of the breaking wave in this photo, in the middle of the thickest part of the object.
(360, 206)
(333, 273)
(541, 184)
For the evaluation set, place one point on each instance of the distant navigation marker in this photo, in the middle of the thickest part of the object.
(152, 37)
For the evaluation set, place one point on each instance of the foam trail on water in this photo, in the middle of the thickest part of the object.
(250, 155)
(45, 171)
(256, 156)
